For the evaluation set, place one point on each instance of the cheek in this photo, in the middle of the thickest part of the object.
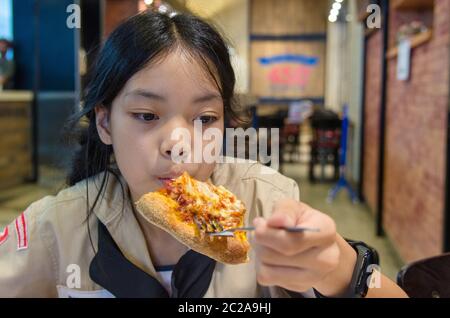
(216, 126)
(211, 148)
(204, 171)
(134, 151)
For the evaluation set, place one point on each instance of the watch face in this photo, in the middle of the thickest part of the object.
(366, 258)
(367, 268)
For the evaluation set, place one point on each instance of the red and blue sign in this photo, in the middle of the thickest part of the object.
(289, 70)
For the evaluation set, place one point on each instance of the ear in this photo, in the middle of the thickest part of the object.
(103, 124)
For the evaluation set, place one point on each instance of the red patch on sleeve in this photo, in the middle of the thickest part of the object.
(4, 235)
(21, 231)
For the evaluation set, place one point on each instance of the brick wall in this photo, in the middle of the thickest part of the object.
(416, 142)
(398, 19)
(372, 117)
(116, 11)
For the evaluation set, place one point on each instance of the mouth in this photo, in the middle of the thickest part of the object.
(166, 178)
(164, 181)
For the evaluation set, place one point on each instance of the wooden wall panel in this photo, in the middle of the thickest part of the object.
(15, 144)
(289, 16)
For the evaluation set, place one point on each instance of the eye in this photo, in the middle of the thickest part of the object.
(207, 119)
(146, 116)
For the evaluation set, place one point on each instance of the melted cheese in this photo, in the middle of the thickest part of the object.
(193, 197)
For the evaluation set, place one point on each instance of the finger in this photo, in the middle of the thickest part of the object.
(294, 210)
(285, 214)
(281, 219)
(292, 243)
(283, 241)
(291, 278)
(320, 260)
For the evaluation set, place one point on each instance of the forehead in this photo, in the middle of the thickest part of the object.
(176, 73)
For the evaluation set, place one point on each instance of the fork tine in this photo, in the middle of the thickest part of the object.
(209, 226)
(217, 226)
(198, 223)
(204, 224)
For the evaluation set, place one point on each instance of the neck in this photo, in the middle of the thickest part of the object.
(164, 249)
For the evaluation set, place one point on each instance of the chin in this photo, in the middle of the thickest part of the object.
(140, 191)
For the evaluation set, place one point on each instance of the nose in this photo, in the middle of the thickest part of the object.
(176, 151)
(169, 152)
(175, 144)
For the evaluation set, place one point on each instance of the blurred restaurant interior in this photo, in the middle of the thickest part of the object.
(358, 88)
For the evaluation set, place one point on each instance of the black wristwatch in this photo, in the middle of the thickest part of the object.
(366, 259)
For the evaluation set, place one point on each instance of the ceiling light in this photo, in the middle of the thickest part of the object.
(337, 6)
(334, 12)
(332, 18)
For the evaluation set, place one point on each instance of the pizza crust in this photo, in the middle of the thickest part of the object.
(157, 209)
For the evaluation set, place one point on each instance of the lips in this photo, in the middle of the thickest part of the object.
(169, 177)
(165, 181)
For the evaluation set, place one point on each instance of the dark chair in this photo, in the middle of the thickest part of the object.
(274, 121)
(326, 128)
(290, 141)
(427, 278)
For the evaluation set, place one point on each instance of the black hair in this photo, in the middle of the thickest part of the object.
(139, 41)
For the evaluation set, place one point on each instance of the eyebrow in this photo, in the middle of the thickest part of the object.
(146, 94)
(151, 95)
(206, 98)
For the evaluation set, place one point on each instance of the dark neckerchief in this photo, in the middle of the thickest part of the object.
(110, 269)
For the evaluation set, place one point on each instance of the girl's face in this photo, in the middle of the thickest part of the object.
(164, 96)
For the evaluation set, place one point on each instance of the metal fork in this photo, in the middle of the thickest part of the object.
(219, 231)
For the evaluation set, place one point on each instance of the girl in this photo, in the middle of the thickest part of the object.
(153, 75)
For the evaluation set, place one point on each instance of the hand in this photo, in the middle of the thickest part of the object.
(295, 261)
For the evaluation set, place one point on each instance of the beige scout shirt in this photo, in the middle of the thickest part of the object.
(55, 261)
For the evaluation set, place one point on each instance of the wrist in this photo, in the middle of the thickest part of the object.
(337, 283)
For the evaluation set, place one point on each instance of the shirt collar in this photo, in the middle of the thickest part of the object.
(115, 211)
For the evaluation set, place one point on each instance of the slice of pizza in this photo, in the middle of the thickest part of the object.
(188, 209)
